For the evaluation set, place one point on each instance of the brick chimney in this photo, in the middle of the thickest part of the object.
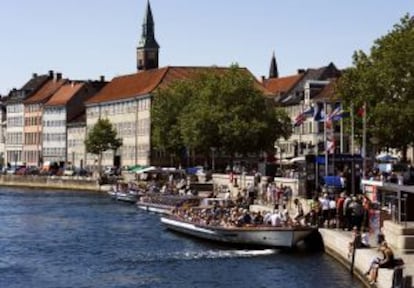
(58, 76)
(51, 74)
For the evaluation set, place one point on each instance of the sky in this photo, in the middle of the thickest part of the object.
(84, 39)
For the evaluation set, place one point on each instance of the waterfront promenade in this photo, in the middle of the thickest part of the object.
(52, 182)
(336, 244)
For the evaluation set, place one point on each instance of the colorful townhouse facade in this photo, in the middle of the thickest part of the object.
(33, 124)
(65, 104)
(3, 127)
(15, 118)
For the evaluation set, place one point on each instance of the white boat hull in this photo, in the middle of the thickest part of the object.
(122, 196)
(155, 208)
(164, 204)
(283, 237)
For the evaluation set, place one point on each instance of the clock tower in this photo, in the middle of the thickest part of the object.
(147, 50)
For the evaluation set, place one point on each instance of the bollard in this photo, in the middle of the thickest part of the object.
(353, 257)
(397, 277)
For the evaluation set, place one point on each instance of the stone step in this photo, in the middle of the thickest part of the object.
(398, 229)
(402, 242)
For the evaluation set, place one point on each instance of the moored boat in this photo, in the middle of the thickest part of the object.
(125, 192)
(165, 203)
(264, 236)
(124, 196)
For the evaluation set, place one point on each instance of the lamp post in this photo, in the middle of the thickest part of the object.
(213, 149)
(15, 159)
(300, 130)
(280, 158)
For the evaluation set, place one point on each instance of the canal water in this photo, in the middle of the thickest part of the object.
(83, 239)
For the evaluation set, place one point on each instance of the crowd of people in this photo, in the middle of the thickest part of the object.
(331, 210)
(239, 216)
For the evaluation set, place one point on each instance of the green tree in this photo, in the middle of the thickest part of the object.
(166, 109)
(100, 138)
(221, 108)
(384, 80)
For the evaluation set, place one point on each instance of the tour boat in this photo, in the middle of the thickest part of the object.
(125, 192)
(165, 203)
(128, 196)
(261, 236)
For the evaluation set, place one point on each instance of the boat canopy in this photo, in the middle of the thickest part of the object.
(145, 169)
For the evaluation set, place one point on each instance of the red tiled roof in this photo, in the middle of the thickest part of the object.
(282, 84)
(45, 92)
(129, 86)
(64, 94)
(145, 82)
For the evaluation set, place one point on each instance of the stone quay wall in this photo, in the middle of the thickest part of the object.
(50, 182)
(336, 244)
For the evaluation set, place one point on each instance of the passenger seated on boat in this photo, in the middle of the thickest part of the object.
(258, 218)
(224, 221)
(277, 219)
(266, 218)
(233, 216)
(245, 218)
(163, 189)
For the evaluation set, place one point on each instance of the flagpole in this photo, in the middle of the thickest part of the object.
(352, 129)
(364, 140)
(325, 137)
(300, 131)
(341, 135)
(332, 141)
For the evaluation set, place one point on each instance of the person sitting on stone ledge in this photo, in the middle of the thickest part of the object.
(387, 261)
(358, 241)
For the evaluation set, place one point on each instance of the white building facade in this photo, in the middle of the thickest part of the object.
(76, 151)
(54, 134)
(14, 132)
(131, 119)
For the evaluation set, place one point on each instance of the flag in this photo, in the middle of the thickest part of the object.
(330, 146)
(361, 111)
(343, 114)
(336, 111)
(299, 120)
(309, 111)
(319, 114)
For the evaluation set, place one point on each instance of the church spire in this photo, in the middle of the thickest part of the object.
(147, 50)
(273, 73)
